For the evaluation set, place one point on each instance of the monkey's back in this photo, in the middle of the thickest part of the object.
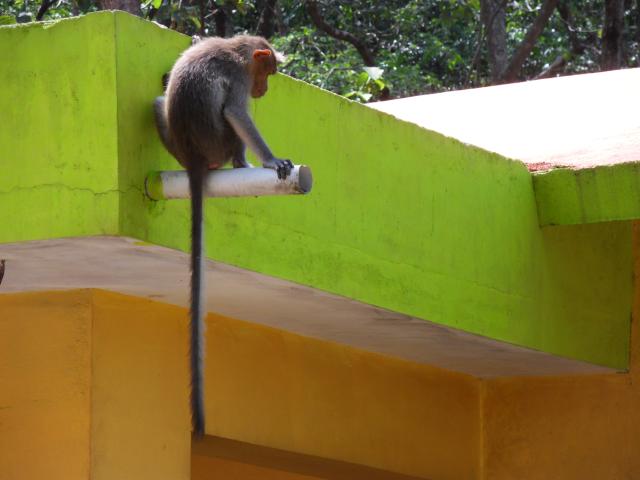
(200, 84)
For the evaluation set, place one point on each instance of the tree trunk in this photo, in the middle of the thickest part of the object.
(638, 21)
(564, 9)
(512, 70)
(321, 24)
(202, 7)
(492, 13)
(44, 7)
(222, 19)
(612, 45)
(267, 23)
(131, 6)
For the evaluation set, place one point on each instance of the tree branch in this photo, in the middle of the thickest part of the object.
(512, 71)
(556, 67)
(44, 6)
(131, 6)
(319, 21)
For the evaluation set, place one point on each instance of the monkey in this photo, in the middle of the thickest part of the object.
(203, 121)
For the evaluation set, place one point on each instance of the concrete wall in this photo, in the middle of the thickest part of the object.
(92, 388)
(58, 117)
(95, 385)
(400, 217)
(97, 382)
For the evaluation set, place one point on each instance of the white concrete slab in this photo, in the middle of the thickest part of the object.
(577, 121)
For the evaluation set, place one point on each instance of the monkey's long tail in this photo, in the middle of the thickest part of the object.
(196, 184)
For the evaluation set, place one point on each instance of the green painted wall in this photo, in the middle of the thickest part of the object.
(567, 197)
(58, 153)
(399, 217)
(144, 52)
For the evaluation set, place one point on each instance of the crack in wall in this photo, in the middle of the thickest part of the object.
(73, 189)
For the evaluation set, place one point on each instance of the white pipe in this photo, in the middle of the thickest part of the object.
(231, 182)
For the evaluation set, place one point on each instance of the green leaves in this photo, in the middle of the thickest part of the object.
(155, 3)
(7, 19)
(419, 46)
(373, 73)
(368, 85)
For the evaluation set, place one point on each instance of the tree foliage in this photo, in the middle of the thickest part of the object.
(376, 50)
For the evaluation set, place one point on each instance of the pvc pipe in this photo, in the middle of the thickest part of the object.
(230, 182)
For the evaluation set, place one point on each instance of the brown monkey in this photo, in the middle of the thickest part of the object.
(203, 122)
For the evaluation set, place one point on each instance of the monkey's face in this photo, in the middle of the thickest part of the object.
(264, 64)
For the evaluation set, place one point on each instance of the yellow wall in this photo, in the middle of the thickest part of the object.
(97, 382)
(269, 387)
(122, 362)
(87, 385)
(215, 468)
(45, 348)
(215, 457)
(573, 427)
(139, 405)
(564, 428)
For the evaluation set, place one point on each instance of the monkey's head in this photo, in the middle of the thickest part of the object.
(264, 63)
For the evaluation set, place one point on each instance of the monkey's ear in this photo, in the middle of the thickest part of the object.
(259, 54)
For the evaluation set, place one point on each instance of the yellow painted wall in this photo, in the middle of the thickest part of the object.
(216, 468)
(95, 385)
(90, 389)
(215, 457)
(273, 388)
(573, 427)
(562, 428)
(123, 362)
(45, 348)
(139, 406)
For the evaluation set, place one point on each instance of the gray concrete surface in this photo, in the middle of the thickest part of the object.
(131, 267)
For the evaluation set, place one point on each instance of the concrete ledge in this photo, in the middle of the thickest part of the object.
(567, 196)
(135, 268)
(234, 459)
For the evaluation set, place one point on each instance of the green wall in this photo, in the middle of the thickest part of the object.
(399, 217)
(58, 151)
(604, 193)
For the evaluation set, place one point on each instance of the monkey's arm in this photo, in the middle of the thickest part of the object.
(244, 127)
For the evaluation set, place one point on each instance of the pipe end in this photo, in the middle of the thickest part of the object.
(153, 186)
(305, 179)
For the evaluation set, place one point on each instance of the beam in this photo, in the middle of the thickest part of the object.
(230, 182)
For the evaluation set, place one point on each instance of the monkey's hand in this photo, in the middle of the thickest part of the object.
(282, 167)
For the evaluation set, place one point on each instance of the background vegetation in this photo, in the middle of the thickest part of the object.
(371, 50)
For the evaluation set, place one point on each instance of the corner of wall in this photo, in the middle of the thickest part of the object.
(144, 51)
